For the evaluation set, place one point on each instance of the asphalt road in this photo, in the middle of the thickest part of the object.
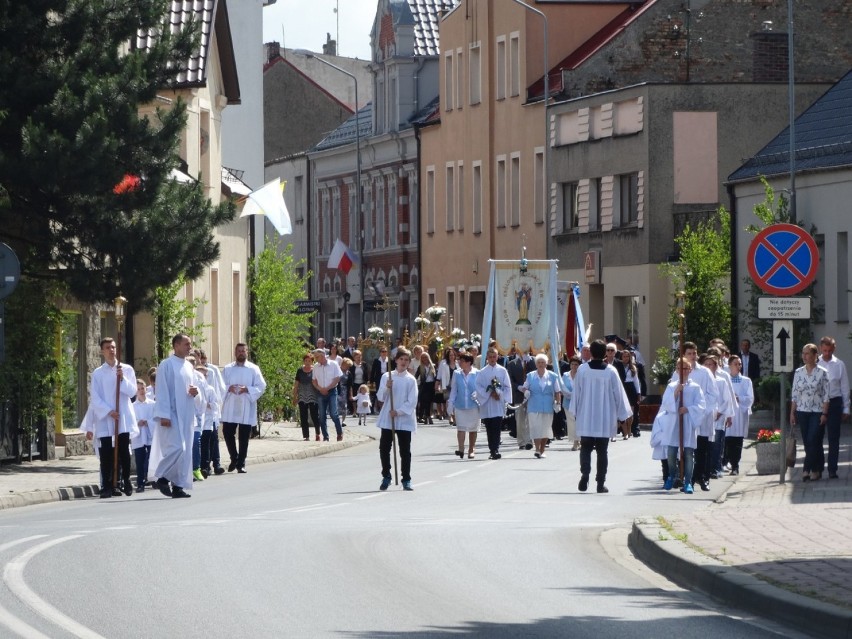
(311, 548)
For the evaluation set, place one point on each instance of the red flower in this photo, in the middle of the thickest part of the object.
(128, 184)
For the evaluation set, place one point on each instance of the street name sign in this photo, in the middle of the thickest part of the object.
(783, 259)
(782, 346)
(777, 308)
(303, 307)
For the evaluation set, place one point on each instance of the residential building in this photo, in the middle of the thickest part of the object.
(823, 189)
(384, 236)
(652, 114)
(483, 186)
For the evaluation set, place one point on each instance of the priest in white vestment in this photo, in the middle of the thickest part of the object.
(598, 404)
(174, 419)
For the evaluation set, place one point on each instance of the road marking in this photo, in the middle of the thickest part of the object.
(321, 507)
(7, 619)
(17, 542)
(425, 483)
(291, 509)
(13, 575)
(373, 496)
(461, 472)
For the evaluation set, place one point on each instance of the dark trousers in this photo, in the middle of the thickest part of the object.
(141, 455)
(832, 427)
(229, 431)
(106, 457)
(664, 464)
(600, 445)
(313, 409)
(703, 459)
(734, 451)
(403, 440)
(425, 397)
(493, 426)
(717, 453)
(812, 436)
(210, 448)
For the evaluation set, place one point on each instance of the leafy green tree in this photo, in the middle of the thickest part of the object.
(278, 337)
(173, 314)
(703, 273)
(74, 77)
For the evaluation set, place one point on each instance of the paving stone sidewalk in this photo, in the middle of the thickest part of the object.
(790, 543)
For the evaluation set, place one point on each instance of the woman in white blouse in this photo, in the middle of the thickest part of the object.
(809, 409)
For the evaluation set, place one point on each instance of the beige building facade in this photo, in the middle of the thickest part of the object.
(483, 186)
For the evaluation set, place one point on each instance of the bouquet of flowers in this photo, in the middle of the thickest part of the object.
(421, 322)
(376, 333)
(435, 312)
(457, 333)
(766, 435)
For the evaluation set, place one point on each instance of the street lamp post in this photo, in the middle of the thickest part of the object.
(310, 54)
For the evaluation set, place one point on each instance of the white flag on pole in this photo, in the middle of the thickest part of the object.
(268, 200)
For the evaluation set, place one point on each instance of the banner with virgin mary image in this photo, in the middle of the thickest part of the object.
(521, 305)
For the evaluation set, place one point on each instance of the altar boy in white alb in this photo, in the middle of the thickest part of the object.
(104, 413)
(244, 384)
(174, 415)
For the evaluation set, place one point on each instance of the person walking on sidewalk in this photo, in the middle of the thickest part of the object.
(397, 391)
(244, 385)
(326, 377)
(838, 400)
(174, 416)
(105, 413)
(598, 404)
(809, 404)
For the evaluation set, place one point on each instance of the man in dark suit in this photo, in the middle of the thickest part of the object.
(751, 361)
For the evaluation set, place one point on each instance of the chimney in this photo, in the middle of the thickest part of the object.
(330, 46)
(273, 51)
(769, 55)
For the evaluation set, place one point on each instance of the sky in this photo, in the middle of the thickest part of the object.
(303, 24)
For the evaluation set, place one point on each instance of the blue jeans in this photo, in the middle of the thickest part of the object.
(688, 463)
(812, 435)
(328, 406)
(196, 450)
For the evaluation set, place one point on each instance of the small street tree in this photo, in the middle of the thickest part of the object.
(277, 339)
(704, 273)
(173, 314)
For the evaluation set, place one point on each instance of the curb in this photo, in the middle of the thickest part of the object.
(654, 546)
(87, 491)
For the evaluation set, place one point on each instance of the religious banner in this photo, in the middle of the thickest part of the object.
(572, 327)
(521, 305)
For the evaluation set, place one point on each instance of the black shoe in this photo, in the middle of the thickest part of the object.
(116, 492)
(205, 473)
(602, 488)
(495, 456)
(637, 433)
(128, 489)
(163, 486)
(232, 466)
(832, 476)
(218, 470)
(106, 493)
(584, 483)
(178, 492)
(241, 470)
(704, 486)
(528, 446)
(140, 489)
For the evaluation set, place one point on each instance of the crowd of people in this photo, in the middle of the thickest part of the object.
(172, 424)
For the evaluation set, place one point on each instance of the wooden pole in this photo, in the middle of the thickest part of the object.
(393, 431)
(681, 302)
(117, 408)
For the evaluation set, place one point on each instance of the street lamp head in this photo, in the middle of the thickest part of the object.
(120, 303)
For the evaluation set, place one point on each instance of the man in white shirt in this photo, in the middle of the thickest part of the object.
(244, 384)
(493, 392)
(105, 414)
(838, 400)
(326, 377)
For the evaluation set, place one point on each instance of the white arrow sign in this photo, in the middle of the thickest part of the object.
(782, 346)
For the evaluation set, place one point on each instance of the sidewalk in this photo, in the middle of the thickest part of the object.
(782, 551)
(39, 482)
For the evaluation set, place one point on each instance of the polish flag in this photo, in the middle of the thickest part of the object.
(342, 258)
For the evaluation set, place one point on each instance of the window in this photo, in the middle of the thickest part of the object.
(335, 215)
(514, 65)
(540, 193)
(461, 190)
(378, 125)
(450, 196)
(475, 74)
(476, 192)
(413, 209)
(500, 195)
(298, 190)
(393, 101)
(515, 202)
(501, 68)
(430, 199)
(628, 191)
(570, 206)
(367, 203)
(354, 233)
(448, 82)
(843, 277)
(393, 213)
(380, 213)
(459, 78)
(595, 204)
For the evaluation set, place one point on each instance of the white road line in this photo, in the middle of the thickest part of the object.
(13, 575)
(291, 509)
(424, 483)
(321, 507)
(9, 620)
(461, 472)
(17, 542)
(373, 496)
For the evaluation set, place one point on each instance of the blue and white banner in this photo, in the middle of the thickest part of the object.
(521, 306)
